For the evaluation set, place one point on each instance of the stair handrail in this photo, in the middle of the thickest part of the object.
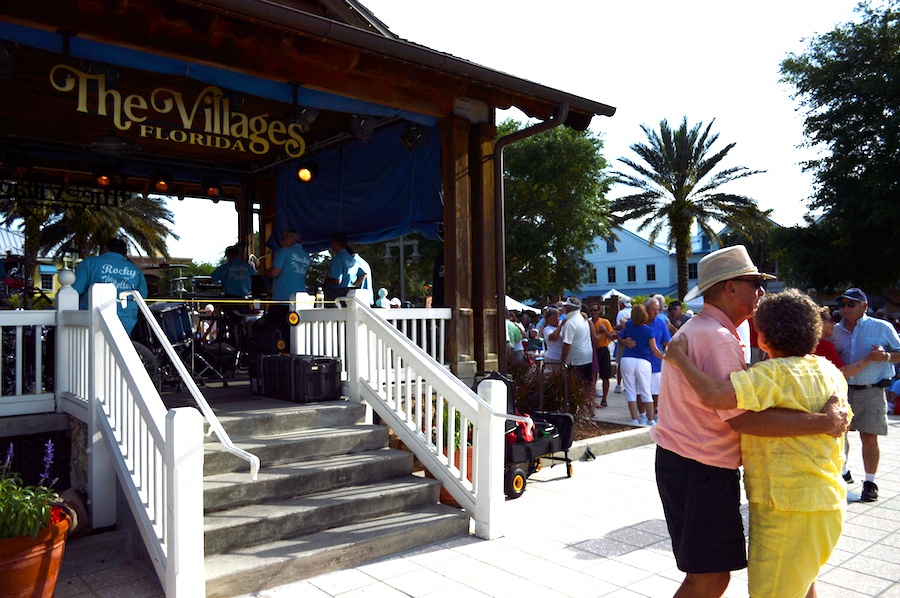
(214, 424)
(379, 345)
(155, 455)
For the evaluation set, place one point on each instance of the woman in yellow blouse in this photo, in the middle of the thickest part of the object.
(794, 486)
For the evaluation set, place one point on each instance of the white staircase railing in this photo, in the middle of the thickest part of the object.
(23, 343)
(187, 379)
(156, 455)
(438, 417)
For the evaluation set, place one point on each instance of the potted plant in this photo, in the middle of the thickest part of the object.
(33, 528)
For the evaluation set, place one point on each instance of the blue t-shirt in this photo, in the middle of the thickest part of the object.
(662, 335)
(293, 261)
(113, 268)
(364, 293)
(642, 336)
(343, 268)
(234, 275)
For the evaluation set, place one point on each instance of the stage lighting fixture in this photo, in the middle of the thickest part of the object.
(413, 135)
(162, 182)
(307, 170)
(212, 186)
(362, 127)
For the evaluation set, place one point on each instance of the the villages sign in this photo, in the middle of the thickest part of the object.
(207, 121)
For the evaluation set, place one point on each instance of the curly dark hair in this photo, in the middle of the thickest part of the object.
(790, 321)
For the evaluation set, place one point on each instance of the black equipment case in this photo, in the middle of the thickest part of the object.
(297, 378)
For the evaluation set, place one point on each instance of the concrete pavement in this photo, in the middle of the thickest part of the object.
(602, 533)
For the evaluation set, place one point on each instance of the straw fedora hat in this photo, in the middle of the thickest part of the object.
(724, 264)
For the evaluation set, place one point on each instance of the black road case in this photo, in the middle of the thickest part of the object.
(299, 378)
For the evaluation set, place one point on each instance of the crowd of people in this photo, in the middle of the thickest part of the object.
(771, 383)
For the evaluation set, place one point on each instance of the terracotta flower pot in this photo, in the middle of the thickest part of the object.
(446, 497)
(29, 567)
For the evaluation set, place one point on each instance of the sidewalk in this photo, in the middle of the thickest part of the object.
(598, 533)
(602, 533)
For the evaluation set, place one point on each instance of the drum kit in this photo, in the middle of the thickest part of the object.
(180, 320)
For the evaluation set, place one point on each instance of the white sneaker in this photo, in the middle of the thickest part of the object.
(618, 388)
(644, 421)
(652, 422)
(635, 422)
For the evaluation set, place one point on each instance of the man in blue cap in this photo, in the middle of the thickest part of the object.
(856, 336)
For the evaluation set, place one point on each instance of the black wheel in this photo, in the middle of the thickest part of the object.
(515, 482)
(568, 470)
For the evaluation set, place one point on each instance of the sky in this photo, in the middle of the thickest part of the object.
(652, 60)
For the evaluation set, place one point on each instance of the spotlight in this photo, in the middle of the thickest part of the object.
(103, 176)
(303, 115)
(307, 170)
(362, 127)
(413, 135)
(212, 186)
(9, 59)
(162, 181)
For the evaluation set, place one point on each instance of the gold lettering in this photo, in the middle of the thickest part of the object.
(221, 129)
(259, 125)
(276, 130)
(135, 101)
(295, 146)
(239, 125)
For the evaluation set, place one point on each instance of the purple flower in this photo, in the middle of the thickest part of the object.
(48, 463)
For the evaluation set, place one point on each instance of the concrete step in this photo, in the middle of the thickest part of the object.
(256, 568)
(266, 417)
(296, 446)
(234, 489)
(269, 521)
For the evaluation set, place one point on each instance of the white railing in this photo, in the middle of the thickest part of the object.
(158, 455)
(23, 344)
(215, 426)
(438, 417)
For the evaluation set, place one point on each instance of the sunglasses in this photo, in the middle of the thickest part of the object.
(844, 304)
(758, 281)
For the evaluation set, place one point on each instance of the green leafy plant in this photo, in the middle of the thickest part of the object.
(26, 510)
(558, 384)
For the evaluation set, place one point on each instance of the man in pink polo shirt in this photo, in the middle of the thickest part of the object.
(699, 449)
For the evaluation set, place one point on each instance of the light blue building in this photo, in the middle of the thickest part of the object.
(634, 267)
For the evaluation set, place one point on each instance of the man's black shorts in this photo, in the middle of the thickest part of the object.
(603, 363)
(702, 507)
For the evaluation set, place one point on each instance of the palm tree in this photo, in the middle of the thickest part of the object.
(678, 187)
(143, 221)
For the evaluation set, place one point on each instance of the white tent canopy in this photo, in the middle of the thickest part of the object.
(513, 305)
(612, 292)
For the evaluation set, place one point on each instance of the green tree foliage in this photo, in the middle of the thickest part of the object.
(678, 185)
(143, 221)
(847, 82)
(555, 207)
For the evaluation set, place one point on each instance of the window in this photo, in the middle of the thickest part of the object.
(46, 282)
(651, 272)
(611, 275)
(596, 278)
(692, 271)
(632, 273)
(610, 246)
(704, 242)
